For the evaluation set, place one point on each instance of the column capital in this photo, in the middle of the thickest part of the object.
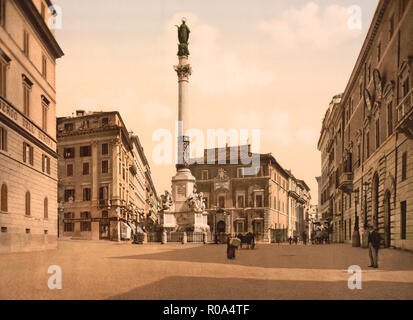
(183, 71)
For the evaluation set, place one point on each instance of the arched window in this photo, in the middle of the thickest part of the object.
(46, 208)
(4, 197)
(27, 203)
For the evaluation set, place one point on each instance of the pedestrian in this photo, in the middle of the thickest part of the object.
(374, 245)
(304, 238)
(295, 239)
(290, 240)
(230, 249)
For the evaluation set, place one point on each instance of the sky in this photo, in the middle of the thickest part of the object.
(270, 65)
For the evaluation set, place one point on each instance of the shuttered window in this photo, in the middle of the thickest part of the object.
(4, 199)
(28, 203)
(3, 139)
(46, 208)
(28, 154)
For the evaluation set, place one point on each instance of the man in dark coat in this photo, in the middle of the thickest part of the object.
(374, 245)
(230, 249)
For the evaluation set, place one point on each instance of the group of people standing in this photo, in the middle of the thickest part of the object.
(295, 239)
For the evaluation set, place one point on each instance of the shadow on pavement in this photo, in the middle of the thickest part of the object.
(200, 288)
(273, 256)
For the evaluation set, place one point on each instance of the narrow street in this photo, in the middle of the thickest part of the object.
(107, 270)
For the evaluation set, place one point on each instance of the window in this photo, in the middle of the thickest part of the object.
(69, 195)
(369, 72)
(69, 153)
(45, 109)
(406, 87)
(105, 149)
(377, 133)
(69, 215)
(221, 202)
(205, 175)
(85, 225)
(403, 220)
(46, 232)
(368, 144)
(43, 11)
(28, 203)
(44, 66)
(28, 153)
(3, 70)
(85, 151)
(27, 231)
(390, 119)
(85, 171)
(391, 27)
(105, 122)
(26, 100)
(206, 201)
(3, 229)
(240, 201)
(69, 126)
(404, 166)
(105, 166)
(85, 215)
(3, 139)
(69, 170)
(26, 43)
(4, 198)
(86, 194)
(46, 208)
(45, 164)
(2, 12)
(258, 201)
(103, 193)
(69, 227)
(379, 52)
(105, 214)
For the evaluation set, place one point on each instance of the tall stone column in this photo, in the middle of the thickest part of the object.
(183, 70)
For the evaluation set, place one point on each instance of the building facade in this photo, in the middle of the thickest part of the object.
(367, 136)
(299, 199)
(28, 158)
(238, 203)
(102, 178)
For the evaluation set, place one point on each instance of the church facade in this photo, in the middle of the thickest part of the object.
(238, 203)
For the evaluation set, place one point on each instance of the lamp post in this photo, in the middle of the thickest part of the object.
(366, 187)
(356, 234)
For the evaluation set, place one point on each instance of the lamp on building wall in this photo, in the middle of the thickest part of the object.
(356, 234)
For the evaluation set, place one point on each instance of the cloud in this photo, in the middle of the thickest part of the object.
(216, 68)
(311, 27)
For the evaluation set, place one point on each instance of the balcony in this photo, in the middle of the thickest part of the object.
(345, 181)
(405, 115)
(103, 203)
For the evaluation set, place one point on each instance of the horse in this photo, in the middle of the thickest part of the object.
(247, 239)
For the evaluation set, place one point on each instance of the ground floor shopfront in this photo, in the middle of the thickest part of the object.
(266, 224)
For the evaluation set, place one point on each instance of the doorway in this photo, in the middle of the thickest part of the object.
(104, 231)
(221, 227)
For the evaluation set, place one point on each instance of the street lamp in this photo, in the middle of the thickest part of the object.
(356, 234)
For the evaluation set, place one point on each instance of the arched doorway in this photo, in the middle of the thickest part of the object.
(387, 219)
(375, 201)
(221, 227)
